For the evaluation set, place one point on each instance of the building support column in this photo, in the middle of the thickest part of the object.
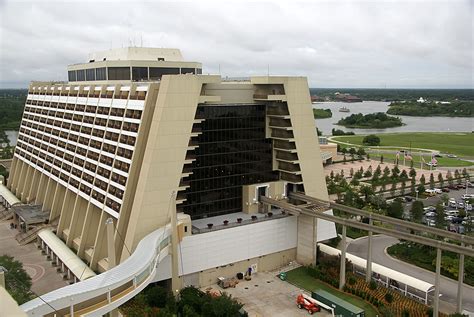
(109, 223)
(175, 281)
(460, 281)
(342, 273)
(368, 269)
(436, 294)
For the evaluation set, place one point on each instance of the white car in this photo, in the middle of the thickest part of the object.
(460, 204)
(438, 191)
(467, 196)
(430, 214)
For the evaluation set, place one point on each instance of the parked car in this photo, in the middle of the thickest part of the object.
(445, 190)
(460, 204)
(452, 156)
(430, 214)
(438, 190)
(467, 196)
(408, 198)
(456, 220)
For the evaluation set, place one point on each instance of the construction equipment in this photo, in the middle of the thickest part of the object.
(308, 303)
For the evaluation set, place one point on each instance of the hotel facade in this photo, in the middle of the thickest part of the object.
(138, 134)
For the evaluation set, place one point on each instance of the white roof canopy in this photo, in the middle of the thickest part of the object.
(65, 255)
(8, 195)
(382, 270)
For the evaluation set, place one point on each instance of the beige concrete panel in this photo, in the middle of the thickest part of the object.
(49, 195)
(25, 182)
(42, 184)
(67, 209)
(306, 249)
(231, 92)
(264, 263)
(33, 188)
(89, 229)
(57, 204)
(168, 142)
(100, 243)
(21, 179)
(14, 174)
(77, 220)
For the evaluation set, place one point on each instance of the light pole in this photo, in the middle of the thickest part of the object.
(416, 191)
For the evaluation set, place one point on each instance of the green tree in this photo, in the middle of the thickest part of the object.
(404, 175)
(457, 176)
(449, 177)
(393, 189)
(352, 151)
(331, 174)
(386, 173)
(439, 219)
(421, 188)
(395, 172)
(371, 140)
(395, 210)
(367, 173)
(403, 187)
(381, 159)
(412, 172)
(412, 186)
(422, 180)
(360, 151)
(432, 181)
(17, 281)
(368, 157)
(441, 180)
(417, 211)
(351, 172)
(367, 191)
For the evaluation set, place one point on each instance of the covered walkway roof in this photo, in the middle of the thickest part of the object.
(31, 214)
(65, 255)
(7, 196)
(382, 270)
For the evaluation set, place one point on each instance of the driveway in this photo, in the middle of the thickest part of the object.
(448, 287)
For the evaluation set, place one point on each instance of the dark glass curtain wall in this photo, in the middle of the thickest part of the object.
(232, 152)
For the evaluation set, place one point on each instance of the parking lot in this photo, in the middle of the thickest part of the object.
(455, 207)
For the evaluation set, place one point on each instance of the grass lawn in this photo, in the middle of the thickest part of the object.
(299, 278)
(442, 161)
(453, 143)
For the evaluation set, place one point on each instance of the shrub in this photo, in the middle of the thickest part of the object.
(351, 280)
(388, 297)
(373, 285)
(371, 139)
(405, 313)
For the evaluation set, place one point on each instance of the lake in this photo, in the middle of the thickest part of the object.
(412, 124)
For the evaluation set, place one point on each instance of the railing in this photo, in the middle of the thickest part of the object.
(134, 274)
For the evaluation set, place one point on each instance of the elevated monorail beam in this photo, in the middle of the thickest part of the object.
(406, 224)
(355, 224)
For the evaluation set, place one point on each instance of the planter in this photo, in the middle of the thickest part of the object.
(270, 214)
(239, 220)
(209, 225)
(226, 222)
(254, 217)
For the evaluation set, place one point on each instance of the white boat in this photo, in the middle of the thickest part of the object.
(344, 109)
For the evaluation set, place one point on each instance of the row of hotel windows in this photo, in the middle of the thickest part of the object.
(90, 152)
(125, 94)
(63, 174)
(128, 73)
(107, 111)
(54, 118)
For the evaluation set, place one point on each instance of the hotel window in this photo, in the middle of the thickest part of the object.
(90, 74)
(139, 73)
(188, 71)
(71, 75)
(100, 74)
(157, 72)
(198, 71)
(119, 73)
(81, 76)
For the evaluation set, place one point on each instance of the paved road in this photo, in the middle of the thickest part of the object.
(448, 288)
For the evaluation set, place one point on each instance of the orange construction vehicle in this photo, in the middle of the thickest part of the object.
(308, 303)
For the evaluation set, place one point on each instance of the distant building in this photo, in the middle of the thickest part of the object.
(421, 100)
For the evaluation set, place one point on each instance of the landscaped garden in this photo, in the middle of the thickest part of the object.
(375, 299)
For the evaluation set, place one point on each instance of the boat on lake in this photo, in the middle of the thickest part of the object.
(344, 109)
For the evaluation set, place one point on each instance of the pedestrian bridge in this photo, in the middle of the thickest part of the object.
(102, 293)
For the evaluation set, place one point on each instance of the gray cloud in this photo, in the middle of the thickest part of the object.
(334, 43)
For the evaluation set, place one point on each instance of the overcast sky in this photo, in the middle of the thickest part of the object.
(393, 44)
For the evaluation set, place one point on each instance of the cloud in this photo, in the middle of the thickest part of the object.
(334, 43)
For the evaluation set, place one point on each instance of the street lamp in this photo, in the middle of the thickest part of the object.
(416, 191)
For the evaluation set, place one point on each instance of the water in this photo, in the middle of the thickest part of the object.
(412, 124)
(12, 136)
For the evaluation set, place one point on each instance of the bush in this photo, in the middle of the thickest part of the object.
(371, 139)
(351, 280)
(373, 285)
(388, 298)
(405, 313)
(156, 296)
